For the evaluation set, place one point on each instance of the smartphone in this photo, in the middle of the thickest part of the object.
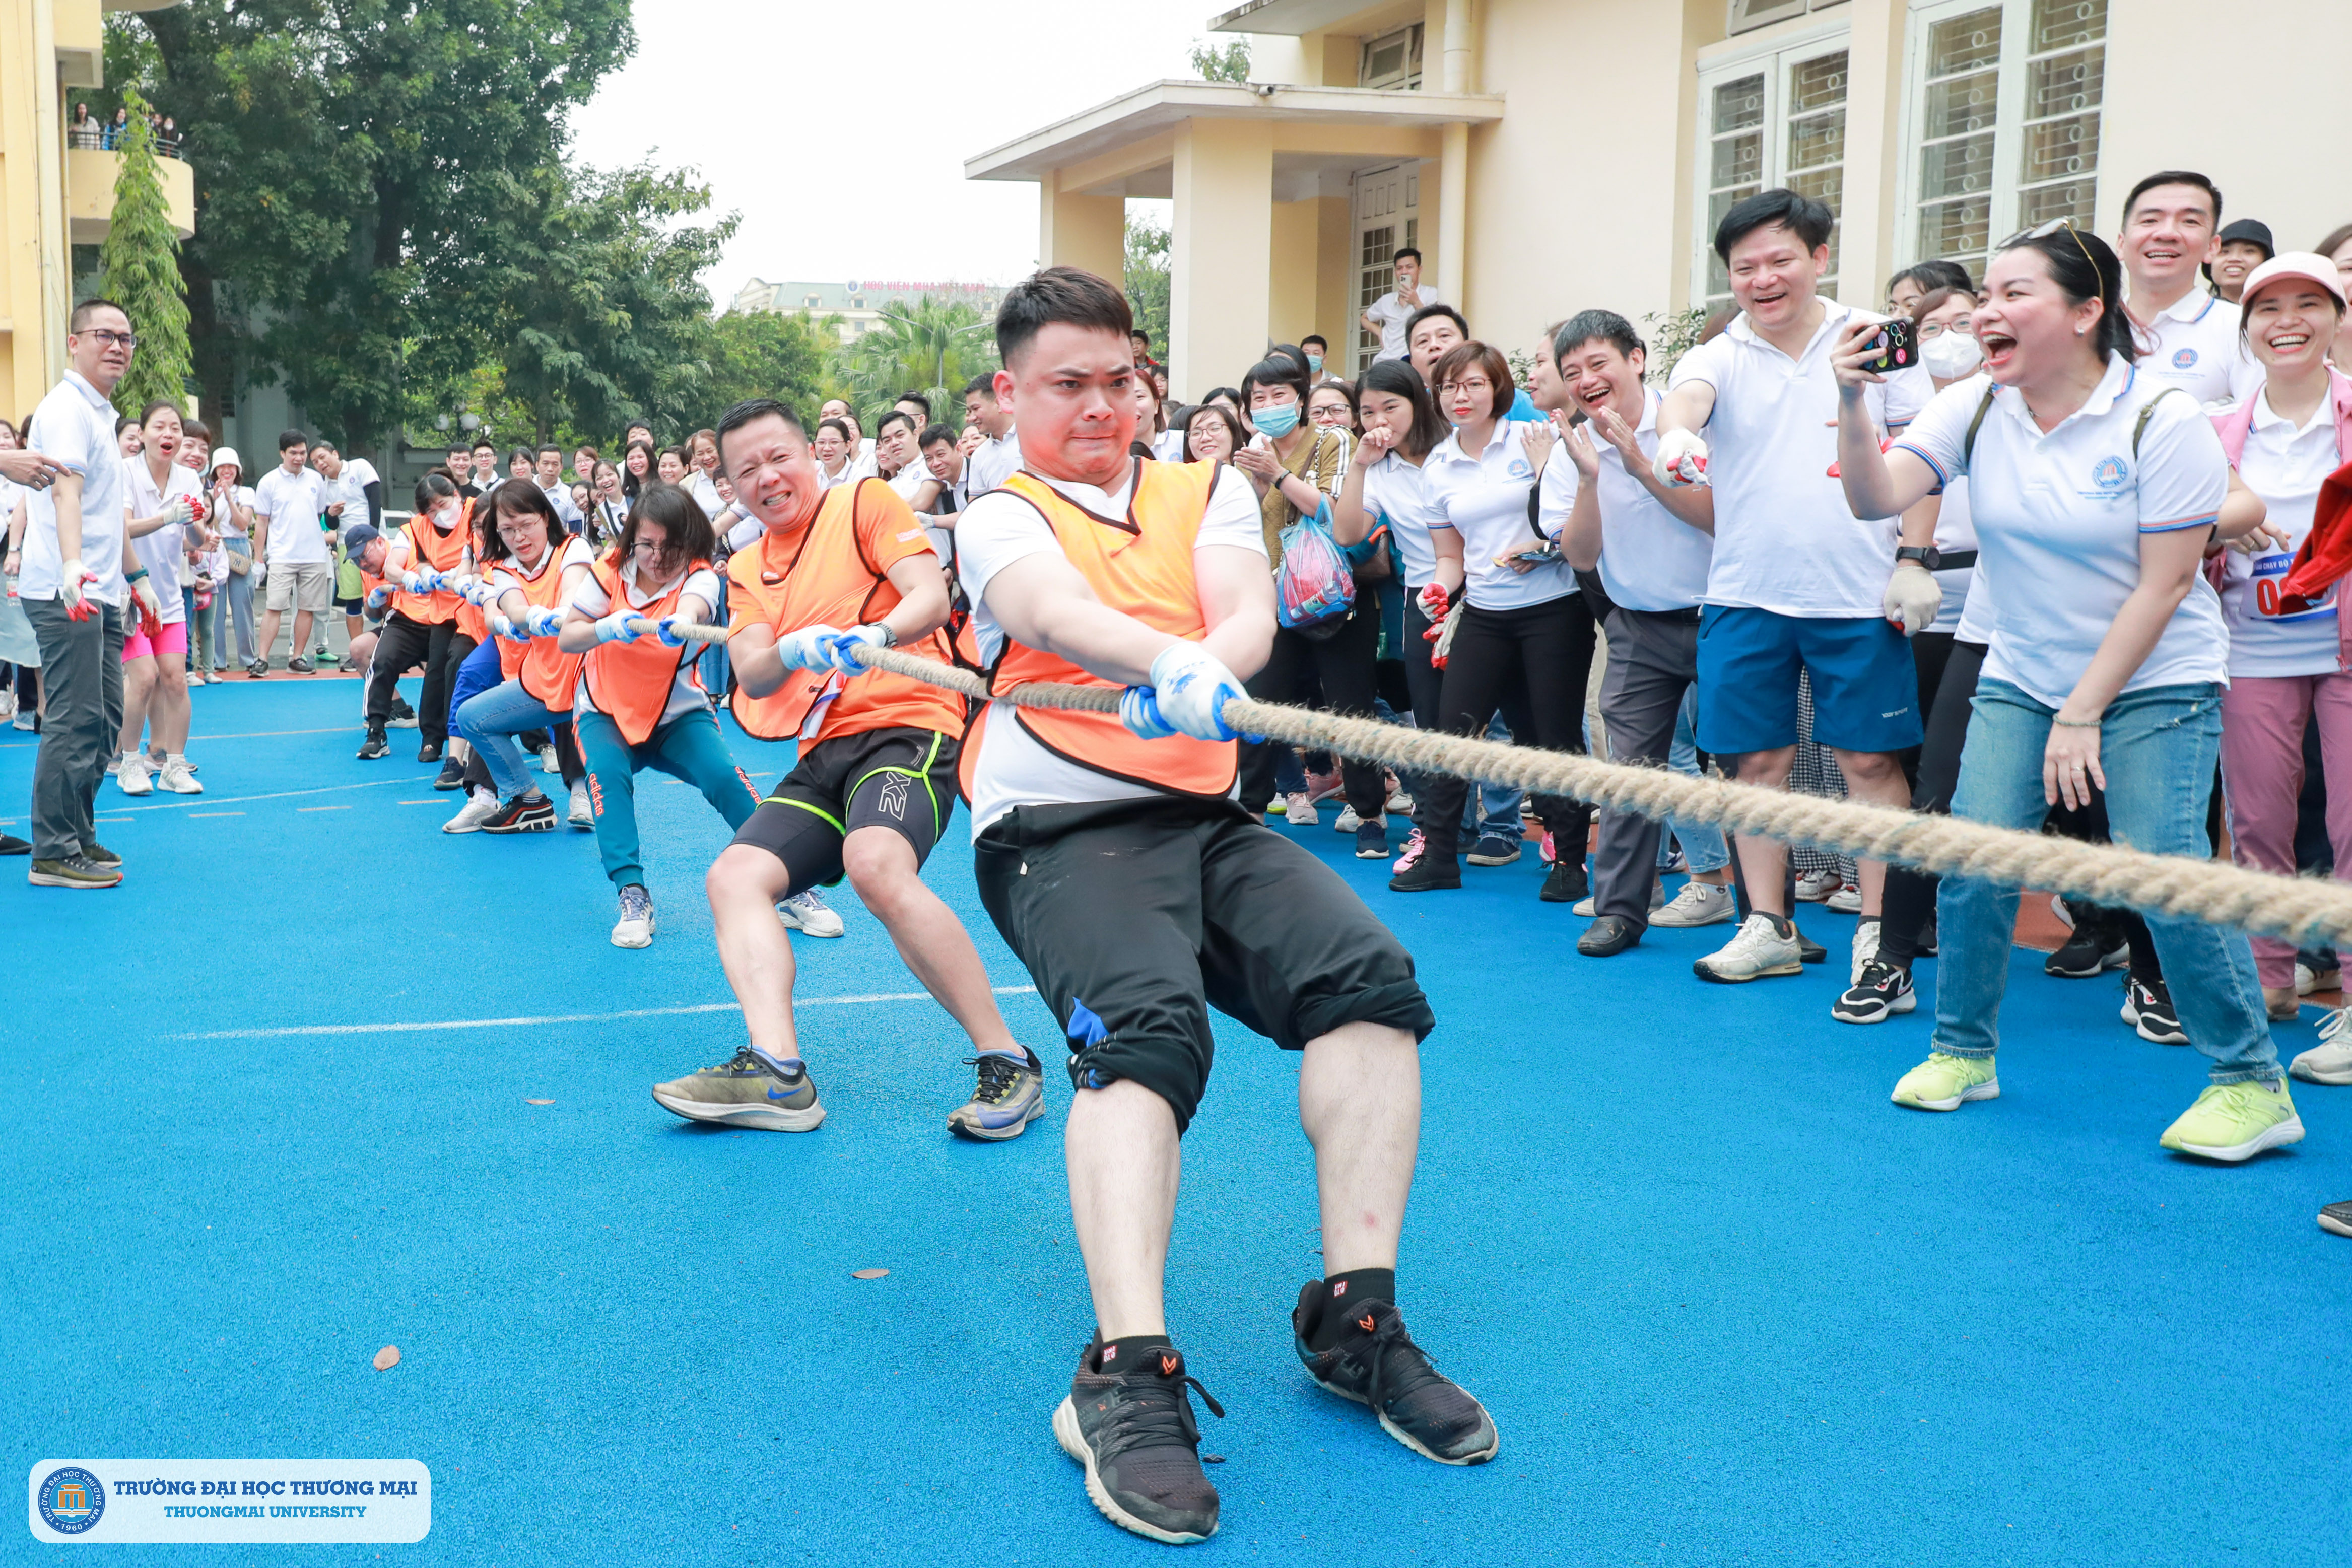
(1899, 338)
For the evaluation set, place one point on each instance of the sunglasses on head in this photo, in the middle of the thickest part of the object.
(2042, 231)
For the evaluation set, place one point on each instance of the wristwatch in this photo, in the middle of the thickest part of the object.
(889, 638)
(1926, 555)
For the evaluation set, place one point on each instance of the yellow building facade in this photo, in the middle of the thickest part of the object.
(1546, 156)
(52, 198)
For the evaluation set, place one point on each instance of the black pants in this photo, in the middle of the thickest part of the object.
(1343, 664)
(1540, 655)
(1911, 895)
(440, 647)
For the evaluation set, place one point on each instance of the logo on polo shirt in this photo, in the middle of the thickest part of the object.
(2109, 475)
(2182, 359)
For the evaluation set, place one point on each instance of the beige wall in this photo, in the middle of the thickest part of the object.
(1291, 307)
(1220, 291)
(1088, 232)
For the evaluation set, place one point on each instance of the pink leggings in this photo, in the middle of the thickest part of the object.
(2262, 719)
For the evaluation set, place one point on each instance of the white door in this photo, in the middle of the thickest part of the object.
(1388, 208)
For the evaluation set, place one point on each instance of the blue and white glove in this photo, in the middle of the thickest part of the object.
(615, 627)
(1190, 687)
(424, 582)
(544, 622)
(479, 594)
(805, 649)
(665, 633)
(378, 598)
(509, 630)
(837, 648)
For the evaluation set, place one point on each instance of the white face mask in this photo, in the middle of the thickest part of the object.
(1951, 355)
(445, 517)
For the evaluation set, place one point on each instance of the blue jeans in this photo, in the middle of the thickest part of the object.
(1703, 846)
(1499, 802)
(2157, 748)
(490, 720)
(689, 747)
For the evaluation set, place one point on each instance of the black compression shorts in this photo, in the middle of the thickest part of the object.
(902, 779)
(1135, 917)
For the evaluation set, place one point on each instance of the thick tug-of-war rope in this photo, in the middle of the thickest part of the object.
(2302, 910)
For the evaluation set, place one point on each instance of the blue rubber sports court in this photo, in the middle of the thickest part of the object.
(271, 1106)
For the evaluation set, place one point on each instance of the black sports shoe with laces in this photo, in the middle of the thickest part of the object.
(452, 774)
(1133, 1430)
(373, 747)
(1378, 1365)
(1883, 989)
(1565, 883)
(2149, 1010)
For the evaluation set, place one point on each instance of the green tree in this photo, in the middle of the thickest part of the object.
(139, 264)
(927, 343)
(1230, 63)
(1147, 279)
(764, 354)
(347, 155)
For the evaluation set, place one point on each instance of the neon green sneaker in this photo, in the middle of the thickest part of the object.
(2235, 1121)
(1944, 1081)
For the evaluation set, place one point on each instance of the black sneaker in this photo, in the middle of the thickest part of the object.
(1134, 1432)
(2149, 1010)
(1565, 883)
(1425, 871)
(428, 751)
(2088, 953)
(298, 667)
(98, 854)
(522, 815)
(1883, 989)
(373, 747)
(403, 715)
(452, 774)
(2338, 1218)
(1378, 1365)
(1371, 841)
(257, 671)
(10, 844)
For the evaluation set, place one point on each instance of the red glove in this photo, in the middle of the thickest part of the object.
(151, 625)
(1433, 605)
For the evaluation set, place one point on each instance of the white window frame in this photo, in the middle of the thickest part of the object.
(2008, 120)
(1774, 57)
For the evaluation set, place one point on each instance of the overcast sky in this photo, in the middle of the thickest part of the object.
(839, 130)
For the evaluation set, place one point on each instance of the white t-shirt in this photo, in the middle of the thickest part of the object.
(991, 463)
(2059, 518)
(292, 503)
(1650, 559)
(1785, 539)
(223, 521)
(1398, 492)
(995, 531)
(1484, 498)
(74, 425)
(2285, 465)
(1392, 313)
(162, 551)
(2193, 344)
(686, 692)
(1957, 530)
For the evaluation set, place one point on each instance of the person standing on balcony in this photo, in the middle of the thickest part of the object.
(1388, 313)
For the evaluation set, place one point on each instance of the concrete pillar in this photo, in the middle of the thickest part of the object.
(1450, 262)
(1335, 275)
(1221, 253)
(1868, 247)
(1088, 232)
(1291, 301)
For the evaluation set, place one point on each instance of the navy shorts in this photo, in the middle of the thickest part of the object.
(1865, 694)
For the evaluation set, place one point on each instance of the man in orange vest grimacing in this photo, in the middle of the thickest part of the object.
(873, 787)
(1115, 859)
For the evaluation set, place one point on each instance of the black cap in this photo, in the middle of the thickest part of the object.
(2245, 231)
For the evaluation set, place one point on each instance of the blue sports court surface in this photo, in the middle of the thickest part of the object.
(271, 1106)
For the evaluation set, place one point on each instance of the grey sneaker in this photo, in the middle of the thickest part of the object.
(635, 926)
(1760, 949)
(1698, 903)
(1378, 1365)
(298, 667)
(750, 1089)
(99, 855)
(1134, 1432)
(807, 912)
(1008, 1096)
(74, 871)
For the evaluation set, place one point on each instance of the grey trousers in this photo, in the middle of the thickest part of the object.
(1653, 660)
(81, 673)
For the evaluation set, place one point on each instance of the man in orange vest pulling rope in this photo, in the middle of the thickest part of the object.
(1116, 860)
(873, 787)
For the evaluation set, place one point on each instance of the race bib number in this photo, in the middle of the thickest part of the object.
(2268, 583)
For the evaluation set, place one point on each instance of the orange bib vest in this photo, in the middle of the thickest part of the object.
(429, 547)
(1141, 565)
(821, 578)
(547, 673)
(630, 682)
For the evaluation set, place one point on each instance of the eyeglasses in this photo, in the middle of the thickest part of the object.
(1469, 384)
(106, 340)
(2042, 231)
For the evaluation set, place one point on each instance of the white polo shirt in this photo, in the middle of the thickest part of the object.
(1392, 313)
(1485, 497)
(2193, 344)
(2059, 518)
(1013, 769)
(991, 463)
(74, 425)
(1785, 539)
(161, 551)
(1398, 492)
(292, 503)
(2285, 465)
(1650, 559)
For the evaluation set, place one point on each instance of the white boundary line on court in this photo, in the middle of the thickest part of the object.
(295, 1030)
(278, 794)
(252, 735)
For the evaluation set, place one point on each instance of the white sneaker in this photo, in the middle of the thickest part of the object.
(2330, 1062)
(1816, 885)
(547, 762)
(179, 778)
(1758, 951)
(22, 720)
(479, 807)
(1300, 812)
(1866, 947)
(2306, 982)
(1846, 900)
(1349, 821)
(635, 926)
(583, 814)
(807, 912)
(1586, 908)
(1698, 903)
(1400, 799)
(134, 775)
